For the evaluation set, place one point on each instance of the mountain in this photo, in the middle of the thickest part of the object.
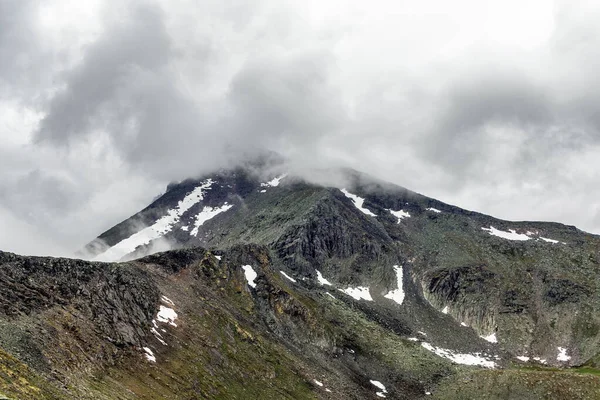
(277, 286)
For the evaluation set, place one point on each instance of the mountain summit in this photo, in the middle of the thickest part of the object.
(256, 282)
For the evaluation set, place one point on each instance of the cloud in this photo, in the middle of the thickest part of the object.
(490, 106)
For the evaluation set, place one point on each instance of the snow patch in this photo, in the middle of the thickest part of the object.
(490, 338)
(273, 182)
(358, 293)
(435, 210)
(167, 315)
(322, 281)
(149, 354)
(562, 354)
(167, 300)
(219, 257)
(550, 240)
(460, 358)
(445, 310)
(158, 336)
(400, 215)
(158, 229)
(540, 360)
(413, 339)
(381, 387)
(263, 191)
(287, 276)
(510, 235)
(523, 358)
(358, 202)
(185, 228)
(397, 294)
(206, 214)
(317, 382)
(250, 275)
(463, 324)
(330, 295)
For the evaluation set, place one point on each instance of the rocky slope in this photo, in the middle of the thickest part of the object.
(304, 290)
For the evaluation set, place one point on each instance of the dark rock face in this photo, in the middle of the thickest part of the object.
(120, 300)
(560, 291)
(334, 231)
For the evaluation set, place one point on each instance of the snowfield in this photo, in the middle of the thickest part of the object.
(358, 293)
(358, 202)
(250, 275)
(158, 229)
(397, 294)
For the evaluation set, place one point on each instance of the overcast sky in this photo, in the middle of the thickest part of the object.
(493, 106)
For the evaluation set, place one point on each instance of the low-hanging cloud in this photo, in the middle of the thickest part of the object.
(157, 91)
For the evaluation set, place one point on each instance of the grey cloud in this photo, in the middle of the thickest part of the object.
(21, 49)
(190, 87)
(96, 91)
(290, 100)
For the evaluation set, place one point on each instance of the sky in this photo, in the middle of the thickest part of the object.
(491, 106)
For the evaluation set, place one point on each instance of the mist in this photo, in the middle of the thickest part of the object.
(105, 104)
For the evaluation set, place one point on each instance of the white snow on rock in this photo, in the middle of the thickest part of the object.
(397, 294)
(167, 300)
(263, 191)
(273, 182)
(490, 338)
(460, 358)
(463, 324)
(445, 310)
(400, 215)
(158, 229)
(287, 276)
(562, 354)
(206, 214)
(330, 295)
(358, 202)
(185, 228)
(523, 358)
(510, 235)
(413, 339)
(219, 257)
(158, 336)
(421, 333)
(166, 315)
(358, 293)
(250, 275)
(435, 210)
(322, 281)
(550, 240)
(380, 386)
(540, 360)
(149, 354)
(317, 382)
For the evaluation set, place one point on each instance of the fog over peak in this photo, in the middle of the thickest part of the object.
(492, 107)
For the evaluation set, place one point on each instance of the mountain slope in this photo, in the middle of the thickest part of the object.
(531, 286)
(306, 291)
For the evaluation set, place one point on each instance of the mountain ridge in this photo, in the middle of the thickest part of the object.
(365, 283)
